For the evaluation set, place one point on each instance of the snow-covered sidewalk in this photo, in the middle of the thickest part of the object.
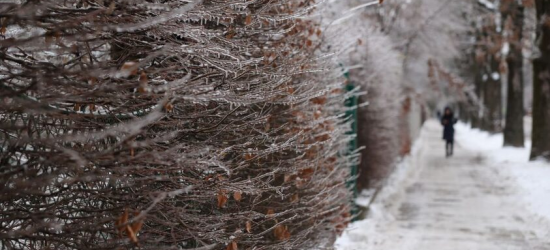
(483, 198)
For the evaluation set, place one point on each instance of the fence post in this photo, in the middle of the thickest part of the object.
(351, 114)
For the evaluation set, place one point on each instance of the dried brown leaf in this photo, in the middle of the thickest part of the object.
(317, 114)
(232, 246)
(129, 68)
(111, 8)
(306, 173)
(230, 34)
(288, 178)
(529, 3)
(48, 39)
(294, 198)
(121, 221)
(168, 107)
(237, 196)
(290, 90)
(222, 198)
(319, 100)
(131, 234)
(136, 226)
(281, 232)
(248, 156)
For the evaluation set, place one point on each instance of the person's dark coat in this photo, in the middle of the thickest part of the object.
(448, 121)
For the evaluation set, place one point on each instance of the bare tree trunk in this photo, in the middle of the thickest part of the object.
(541, 86)
(513, 131)
(466, 112)
(477, 69)
(492, 97)
(476, 116)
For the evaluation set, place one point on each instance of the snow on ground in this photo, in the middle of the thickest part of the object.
(362, 234)
(485, 197)
(514, 162)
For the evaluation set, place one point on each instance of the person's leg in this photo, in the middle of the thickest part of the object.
(447, 149)
(452, 143)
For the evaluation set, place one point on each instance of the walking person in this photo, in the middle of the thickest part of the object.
(448, 120)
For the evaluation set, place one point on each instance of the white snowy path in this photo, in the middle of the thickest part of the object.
(459, 203)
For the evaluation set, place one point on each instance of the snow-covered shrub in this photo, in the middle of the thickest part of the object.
(375, 67)
(378, 121)
(173, 125)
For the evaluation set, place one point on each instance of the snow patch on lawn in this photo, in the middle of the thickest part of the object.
(531, 177)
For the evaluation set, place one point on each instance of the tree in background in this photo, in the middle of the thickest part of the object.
(513, 16)
(491, 86)
(492, 59)
(541, 84)
(173, 125)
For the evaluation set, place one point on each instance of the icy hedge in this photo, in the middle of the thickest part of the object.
(173, 125)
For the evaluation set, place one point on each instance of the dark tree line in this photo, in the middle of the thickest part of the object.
(541, 84)
(501, 36)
